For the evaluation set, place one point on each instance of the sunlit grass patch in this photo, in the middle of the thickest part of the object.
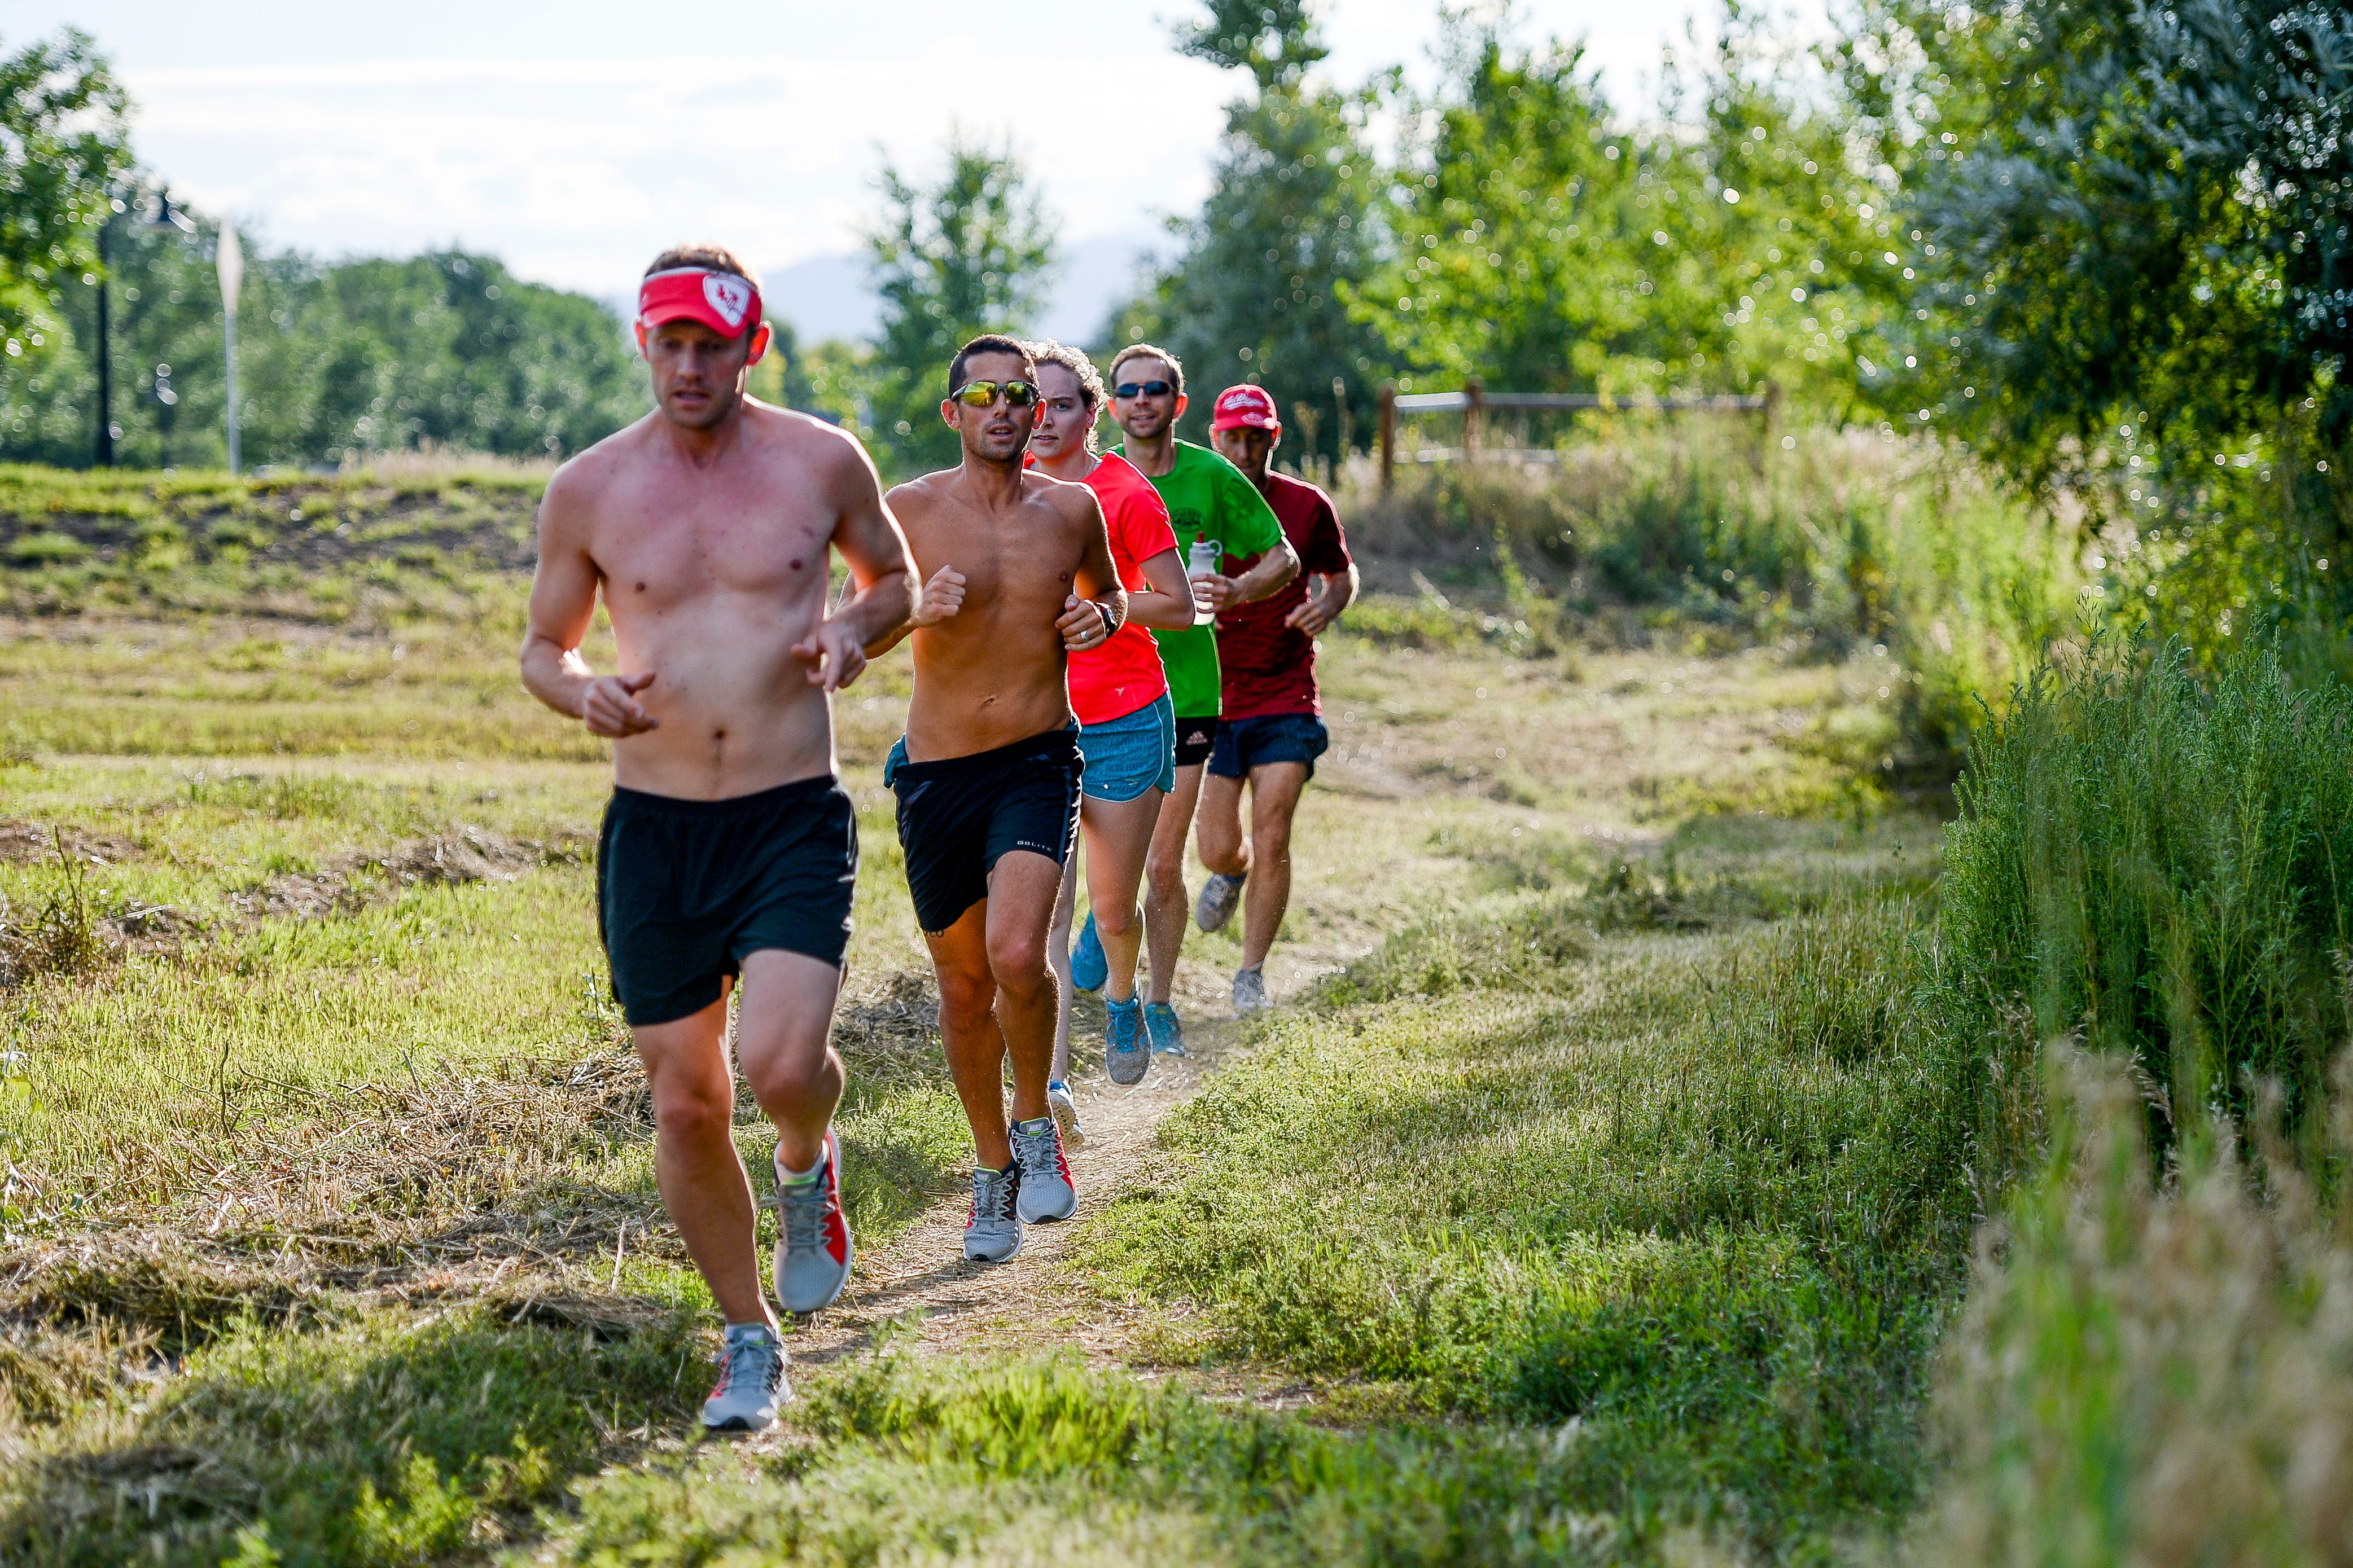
(1017, 1462)
(384, 1438)
(1705, 1196)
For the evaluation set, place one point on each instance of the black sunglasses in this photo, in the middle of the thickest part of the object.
(981, 394)
(1128, 389)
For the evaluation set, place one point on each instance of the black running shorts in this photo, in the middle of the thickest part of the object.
(686, 888)
(959, 815)
(1196, 737)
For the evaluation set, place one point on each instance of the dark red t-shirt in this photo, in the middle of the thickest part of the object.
(1265, 666)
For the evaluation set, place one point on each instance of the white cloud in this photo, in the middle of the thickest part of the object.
(538, 130)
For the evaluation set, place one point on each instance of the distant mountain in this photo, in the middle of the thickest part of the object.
(827, 296)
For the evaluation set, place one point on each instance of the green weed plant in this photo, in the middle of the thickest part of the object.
(2162, 867)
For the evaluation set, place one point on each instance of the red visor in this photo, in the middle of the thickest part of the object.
(1244, 407)
(726, 303)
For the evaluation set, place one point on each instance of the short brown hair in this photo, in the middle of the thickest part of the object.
(991, 344)
(715, 258)
(1142, 351)
(1091, 384)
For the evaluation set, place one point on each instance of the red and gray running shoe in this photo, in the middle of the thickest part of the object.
(1047, 1192)
(750, 1381)
(993, 1232)
(812, 1236)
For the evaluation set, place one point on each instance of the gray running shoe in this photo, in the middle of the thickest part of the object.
(1066, 1115)
(1160, 1027)
(1046, 1193)
(1249, 993)
(1124, 1054)
(993, 1233)
(750, 1381)
(1216, 905)
(812, 1236)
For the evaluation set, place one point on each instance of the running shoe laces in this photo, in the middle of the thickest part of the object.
(1047, 1192)
(1125, 1056)
(993, 1232)
(751, 1380)
(813, 1249)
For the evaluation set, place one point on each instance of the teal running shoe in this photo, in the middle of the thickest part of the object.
(1126, 1055)
(1089, 967)
(1160, 1025)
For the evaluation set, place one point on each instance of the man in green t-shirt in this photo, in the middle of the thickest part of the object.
(1208, 499)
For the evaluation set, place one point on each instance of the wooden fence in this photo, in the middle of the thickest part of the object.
(1474, 401)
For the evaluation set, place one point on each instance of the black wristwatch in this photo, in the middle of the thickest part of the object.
(1112, 623)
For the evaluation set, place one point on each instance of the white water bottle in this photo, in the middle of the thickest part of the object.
(1201, 560)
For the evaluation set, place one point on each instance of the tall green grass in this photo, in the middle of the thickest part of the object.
(2163, 866)
(2151, 1371)
(1026, 1462)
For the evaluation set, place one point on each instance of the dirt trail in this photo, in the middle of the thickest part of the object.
(919, 1287)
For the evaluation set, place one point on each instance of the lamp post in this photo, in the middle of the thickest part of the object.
(230, 259)
(166, 216)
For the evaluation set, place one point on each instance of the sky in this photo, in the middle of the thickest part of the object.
(573, 140)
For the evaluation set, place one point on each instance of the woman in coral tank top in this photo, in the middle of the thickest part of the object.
(1127, 731)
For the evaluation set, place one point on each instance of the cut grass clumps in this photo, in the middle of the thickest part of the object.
(1705, 1197)
(2165, 868)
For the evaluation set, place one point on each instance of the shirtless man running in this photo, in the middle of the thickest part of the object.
(1018, 573)
(729, 851)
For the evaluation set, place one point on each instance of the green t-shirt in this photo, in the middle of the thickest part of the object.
(1207, 498)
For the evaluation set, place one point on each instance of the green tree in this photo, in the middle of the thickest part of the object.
(971, 254)
(64, 140)
(1515, 205)
(336, 361)
(2147, 209)
(1259, 290)
(1541, 250)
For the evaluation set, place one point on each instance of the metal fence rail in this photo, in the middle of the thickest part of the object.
(1474, 400)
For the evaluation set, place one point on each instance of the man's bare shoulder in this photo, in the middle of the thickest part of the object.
(1071, 500)
(925, 491)
(586, 475)
(806, 440)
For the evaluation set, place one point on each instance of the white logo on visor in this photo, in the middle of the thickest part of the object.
(731, 297)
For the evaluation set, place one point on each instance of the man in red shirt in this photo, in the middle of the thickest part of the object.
(1269, 724)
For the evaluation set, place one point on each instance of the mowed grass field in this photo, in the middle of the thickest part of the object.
(1596, 1197)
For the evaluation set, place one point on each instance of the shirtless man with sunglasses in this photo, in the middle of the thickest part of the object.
(1017, 572)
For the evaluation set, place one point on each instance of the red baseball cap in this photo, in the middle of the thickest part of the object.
(1244, 406)
(720, 301)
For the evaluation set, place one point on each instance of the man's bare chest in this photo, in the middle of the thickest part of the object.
(1017, 566)
(658, 558)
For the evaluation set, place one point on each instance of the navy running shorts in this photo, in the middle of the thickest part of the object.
(1246, 743)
